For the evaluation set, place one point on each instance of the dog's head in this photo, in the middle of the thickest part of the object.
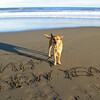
(56, 39)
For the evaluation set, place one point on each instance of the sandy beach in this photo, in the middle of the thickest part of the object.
(26, 72)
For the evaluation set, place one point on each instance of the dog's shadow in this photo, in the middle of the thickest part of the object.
(14, 49)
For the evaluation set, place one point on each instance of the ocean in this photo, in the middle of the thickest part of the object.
(37, 18)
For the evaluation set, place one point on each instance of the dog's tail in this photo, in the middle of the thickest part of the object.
(47, 36)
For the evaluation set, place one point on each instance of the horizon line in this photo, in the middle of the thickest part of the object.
(54, 6)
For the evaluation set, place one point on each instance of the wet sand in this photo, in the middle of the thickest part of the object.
(26, 72)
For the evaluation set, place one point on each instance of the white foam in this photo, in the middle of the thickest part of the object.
(92, 14)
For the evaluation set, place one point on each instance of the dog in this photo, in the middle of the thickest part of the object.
(56, 43)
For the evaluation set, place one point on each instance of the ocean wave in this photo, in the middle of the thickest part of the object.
(86, 14)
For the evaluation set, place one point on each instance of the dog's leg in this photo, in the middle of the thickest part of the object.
(49, 52)
(50, 46)
(59, 56)
(55, 57)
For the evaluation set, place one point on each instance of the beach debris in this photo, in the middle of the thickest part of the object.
(76, 97)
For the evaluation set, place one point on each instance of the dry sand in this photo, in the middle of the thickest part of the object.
(26, 72)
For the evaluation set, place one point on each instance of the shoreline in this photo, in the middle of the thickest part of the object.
(26, 72)
(49, 29)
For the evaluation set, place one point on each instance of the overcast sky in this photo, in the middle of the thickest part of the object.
(49, 3)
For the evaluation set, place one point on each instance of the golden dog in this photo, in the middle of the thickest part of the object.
(55, 42)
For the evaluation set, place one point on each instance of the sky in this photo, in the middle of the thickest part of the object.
(49, 3)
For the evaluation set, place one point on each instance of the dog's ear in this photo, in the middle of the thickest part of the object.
(52, 35)
(61, 37)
